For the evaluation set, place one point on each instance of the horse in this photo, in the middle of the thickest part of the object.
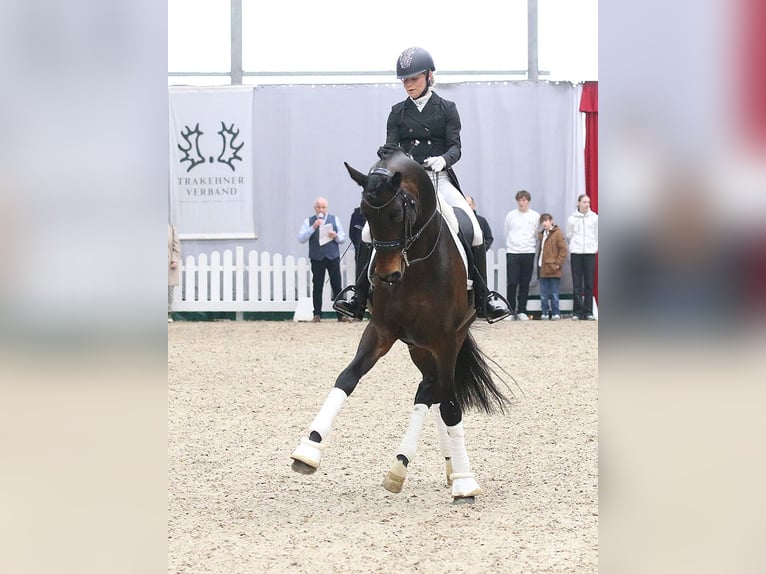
(420, 296)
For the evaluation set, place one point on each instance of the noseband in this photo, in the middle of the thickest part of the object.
(408, 238)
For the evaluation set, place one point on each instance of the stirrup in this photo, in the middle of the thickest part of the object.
(497, 312)
(348, 307)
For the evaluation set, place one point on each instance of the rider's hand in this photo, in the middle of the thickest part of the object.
(436, 163)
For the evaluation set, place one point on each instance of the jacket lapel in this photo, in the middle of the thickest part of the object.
(431, 107)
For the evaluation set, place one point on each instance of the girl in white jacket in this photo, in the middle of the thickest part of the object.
(582, 234)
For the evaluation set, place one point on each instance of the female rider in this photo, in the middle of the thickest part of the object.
(427, 127)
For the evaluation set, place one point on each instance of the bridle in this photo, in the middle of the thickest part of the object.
(408, 237)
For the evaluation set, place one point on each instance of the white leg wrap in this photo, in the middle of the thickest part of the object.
(444, 447)
(463, 481)
(441, 433)
(409, 444)
(330, 409)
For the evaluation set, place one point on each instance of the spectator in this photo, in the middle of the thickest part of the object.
(324, 233)
(520, 229)
(483, 223)
(174, 269)
(553, 253)
(582, 233)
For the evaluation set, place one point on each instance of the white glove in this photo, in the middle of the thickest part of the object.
(437, 163)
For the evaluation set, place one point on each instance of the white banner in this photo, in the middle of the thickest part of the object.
(211, 168)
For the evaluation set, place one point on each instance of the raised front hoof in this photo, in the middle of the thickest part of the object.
(302, 468)
(394, 480)
(307, 456)
(464, 500)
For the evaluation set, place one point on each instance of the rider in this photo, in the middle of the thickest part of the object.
(428, 128)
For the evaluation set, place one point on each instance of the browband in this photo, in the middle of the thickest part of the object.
(381, 171)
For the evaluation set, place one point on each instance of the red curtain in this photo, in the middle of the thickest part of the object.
(751, 123)
(589, 106)
(751, 72)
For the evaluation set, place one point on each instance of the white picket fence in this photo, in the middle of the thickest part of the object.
(262, 282)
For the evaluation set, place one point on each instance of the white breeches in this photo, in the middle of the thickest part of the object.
(456, 199)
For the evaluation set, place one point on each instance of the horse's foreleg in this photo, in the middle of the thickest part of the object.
(424, 398)
(308, 454)
(394, 480)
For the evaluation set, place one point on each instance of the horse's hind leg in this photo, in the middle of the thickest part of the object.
(464, 485)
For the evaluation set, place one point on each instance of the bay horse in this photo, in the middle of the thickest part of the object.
(420, 297)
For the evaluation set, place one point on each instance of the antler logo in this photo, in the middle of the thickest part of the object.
(405, 60)
(229, 151)
(191, 137)
(230, 148)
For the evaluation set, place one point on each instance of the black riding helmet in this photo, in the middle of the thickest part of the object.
(414, 61)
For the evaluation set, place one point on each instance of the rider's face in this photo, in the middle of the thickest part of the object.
(416, 85)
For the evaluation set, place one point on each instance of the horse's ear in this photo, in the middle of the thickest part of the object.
(396, 180)
(357, 176)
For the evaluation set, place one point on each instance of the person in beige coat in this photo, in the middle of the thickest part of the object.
(550, 262)
(174, 265)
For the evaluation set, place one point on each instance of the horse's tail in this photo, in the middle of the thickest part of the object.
(474, 383)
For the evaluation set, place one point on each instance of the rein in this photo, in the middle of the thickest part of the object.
(408, 239)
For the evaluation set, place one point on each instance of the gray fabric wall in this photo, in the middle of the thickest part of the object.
(516, 135)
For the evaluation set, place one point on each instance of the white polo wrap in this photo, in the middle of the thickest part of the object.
(409, 444)
(330, 409)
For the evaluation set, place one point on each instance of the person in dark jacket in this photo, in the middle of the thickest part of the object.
(427, 127)
(486, 230)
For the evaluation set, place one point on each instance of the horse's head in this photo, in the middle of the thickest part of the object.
(395, 201)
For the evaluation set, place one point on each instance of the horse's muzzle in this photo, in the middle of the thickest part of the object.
(389, 267)
(394, 277)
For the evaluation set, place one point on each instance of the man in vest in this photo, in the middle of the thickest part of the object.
(324, 233)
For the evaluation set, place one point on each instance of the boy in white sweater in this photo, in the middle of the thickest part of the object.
(520, 246)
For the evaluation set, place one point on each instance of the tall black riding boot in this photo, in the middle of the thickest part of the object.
(357, 303)
(490, 305)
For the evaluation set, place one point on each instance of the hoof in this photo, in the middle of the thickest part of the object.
(464, 500)
(464, 485)
(307, 457)
(301, 467)
(394, 481)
